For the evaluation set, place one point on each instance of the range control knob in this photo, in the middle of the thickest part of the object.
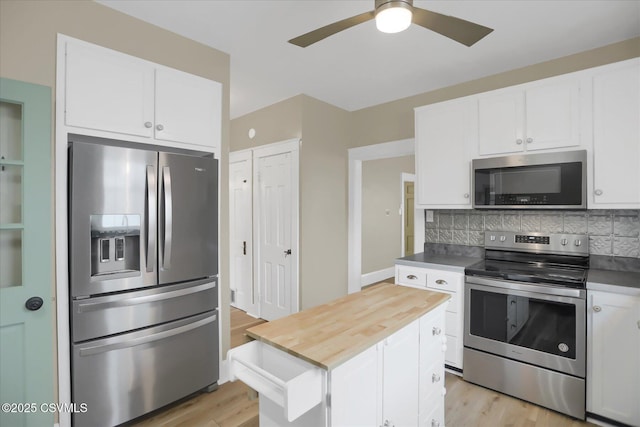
(492, 238)
(503, 238)
(564, 242)
(578, 242)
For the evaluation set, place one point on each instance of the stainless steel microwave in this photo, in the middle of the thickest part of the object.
(531, 181)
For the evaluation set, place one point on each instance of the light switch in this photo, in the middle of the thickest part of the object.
(429, 216)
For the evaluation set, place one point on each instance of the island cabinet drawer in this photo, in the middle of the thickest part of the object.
(291, 383)
(411, 276)
(444, 280)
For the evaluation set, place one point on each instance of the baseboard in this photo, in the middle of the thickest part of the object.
(377, 276)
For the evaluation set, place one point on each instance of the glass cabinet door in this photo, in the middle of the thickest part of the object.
(11, 172)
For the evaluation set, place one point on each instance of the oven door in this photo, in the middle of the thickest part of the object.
(536, 324)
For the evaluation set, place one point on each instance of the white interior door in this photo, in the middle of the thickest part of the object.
(276, 202)
(241, 232)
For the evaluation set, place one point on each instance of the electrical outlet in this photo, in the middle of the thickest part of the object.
(429, 216)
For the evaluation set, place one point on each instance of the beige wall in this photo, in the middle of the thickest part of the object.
(323, 129)
(324, 236)
(28, 52)
(381, 219)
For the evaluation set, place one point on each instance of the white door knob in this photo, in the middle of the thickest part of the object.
(598, 192)
(529, 140)
(466, 195)
(518, 141)
(148, 124)
(159, 127)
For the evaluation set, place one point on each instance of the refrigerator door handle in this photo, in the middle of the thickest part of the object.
(127, 342)
(168, 220)
(151, 218)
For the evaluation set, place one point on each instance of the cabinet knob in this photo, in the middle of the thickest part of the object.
(518, 141)
(529, 140)
(148, 124)
(159, 127)
(435, 423)
(466, 195)
(598, 192)
(436, 331)
(597, 308)
(412, 277)
(435, 378)
(441, 282)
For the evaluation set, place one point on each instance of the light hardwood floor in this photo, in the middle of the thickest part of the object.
(234, 405)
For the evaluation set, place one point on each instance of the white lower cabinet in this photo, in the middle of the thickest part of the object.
(613, 354)
(397, 382)
(451, 283)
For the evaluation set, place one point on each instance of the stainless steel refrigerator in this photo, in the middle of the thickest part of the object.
(143, 278)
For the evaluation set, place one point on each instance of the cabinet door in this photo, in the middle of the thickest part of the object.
(616, 137)
(552, 117)
(400, 380)
(108, 91)
(500, 122)
(188, 108)
(613, 378)
(354, 390)
(445, 133)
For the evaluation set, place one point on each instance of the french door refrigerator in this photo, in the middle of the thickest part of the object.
(143, 278)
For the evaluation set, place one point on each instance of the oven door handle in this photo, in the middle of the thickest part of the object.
(528, 287)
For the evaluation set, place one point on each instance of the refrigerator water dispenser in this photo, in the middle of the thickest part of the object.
(115, 246)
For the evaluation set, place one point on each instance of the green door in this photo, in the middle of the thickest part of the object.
(26, 334)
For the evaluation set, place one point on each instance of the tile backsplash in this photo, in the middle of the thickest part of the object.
(611, 232)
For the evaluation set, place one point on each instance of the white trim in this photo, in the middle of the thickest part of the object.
(377, 276)
(288, 146)
(405, 147)
(61, 243)
(404, 177)
(224, 372)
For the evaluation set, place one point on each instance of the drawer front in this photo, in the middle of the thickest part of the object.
(432, 384)
(432, 329)
(434, 418)
(452, 324)
(445, 280)
(411, 276)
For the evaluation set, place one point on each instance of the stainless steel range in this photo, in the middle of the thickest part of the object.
(525, 318)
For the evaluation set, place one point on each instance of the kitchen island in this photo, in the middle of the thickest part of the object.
(375, 357)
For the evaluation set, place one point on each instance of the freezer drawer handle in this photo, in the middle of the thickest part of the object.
(151, 218)
(168, 219)
(125, 342)
(98, 306)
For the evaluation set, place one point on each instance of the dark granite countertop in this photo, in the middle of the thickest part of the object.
(456, 263)
(627, 282)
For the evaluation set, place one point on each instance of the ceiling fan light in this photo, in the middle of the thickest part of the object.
(393, 19)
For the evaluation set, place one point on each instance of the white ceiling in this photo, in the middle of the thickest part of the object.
(361, 67)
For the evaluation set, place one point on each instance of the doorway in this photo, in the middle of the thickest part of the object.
(264, 243)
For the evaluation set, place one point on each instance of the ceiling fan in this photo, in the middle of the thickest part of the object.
(393, 16)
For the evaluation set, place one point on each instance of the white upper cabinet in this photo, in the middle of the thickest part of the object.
(111, 94)
(445, 139)
(537, 116)
(188, 108)
(108, 91)
(616, 137)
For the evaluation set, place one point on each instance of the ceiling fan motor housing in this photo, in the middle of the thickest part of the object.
(381, 5)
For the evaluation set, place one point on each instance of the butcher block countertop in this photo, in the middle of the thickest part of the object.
(332, 333)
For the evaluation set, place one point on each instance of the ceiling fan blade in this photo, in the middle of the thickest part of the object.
(329, 30)
(462, 31)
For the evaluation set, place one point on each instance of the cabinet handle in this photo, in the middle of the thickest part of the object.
(529, 140)
(597, 308)
(638, 324)
(518, 141)
(436, 331)
(159, 127)
(435, 423)
(466, 195)
(441, 282)
(435, 378)
(598, 192)
(412, 277)
(148, 124)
